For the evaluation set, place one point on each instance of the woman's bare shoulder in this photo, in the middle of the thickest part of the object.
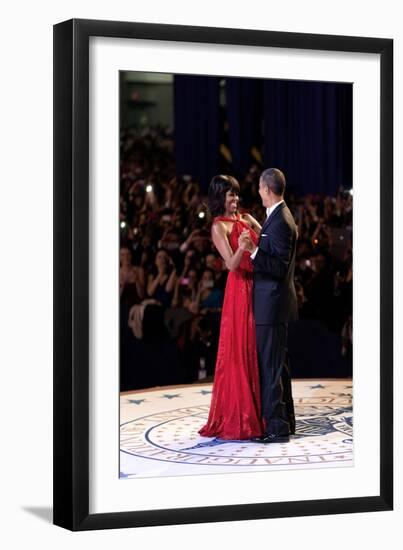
(246, 217)
(219, 227)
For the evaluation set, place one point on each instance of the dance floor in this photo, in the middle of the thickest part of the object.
(159, 433)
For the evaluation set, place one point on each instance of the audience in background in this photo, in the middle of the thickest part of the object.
(167, 256)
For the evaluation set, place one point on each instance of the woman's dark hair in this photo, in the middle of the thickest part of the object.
(219, 186)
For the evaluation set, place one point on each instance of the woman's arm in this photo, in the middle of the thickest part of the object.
(152, 284)
(140, 282)
(220, 240)
(195, 305)
(175, 297)
(171, 281)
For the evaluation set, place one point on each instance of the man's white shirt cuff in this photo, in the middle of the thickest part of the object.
(252, 256)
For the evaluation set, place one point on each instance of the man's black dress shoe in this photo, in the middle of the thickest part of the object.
(271, 438)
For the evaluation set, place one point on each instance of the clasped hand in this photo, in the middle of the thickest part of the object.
(245, 241)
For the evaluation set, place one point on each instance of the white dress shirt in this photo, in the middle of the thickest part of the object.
(268, 212)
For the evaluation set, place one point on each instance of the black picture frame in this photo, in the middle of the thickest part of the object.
(71, 273)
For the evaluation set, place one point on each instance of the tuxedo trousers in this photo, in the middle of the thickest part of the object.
(275, 379)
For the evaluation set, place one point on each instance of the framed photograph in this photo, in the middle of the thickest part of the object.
(223, 274)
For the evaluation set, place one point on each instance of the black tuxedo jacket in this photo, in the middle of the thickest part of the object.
(274, 297)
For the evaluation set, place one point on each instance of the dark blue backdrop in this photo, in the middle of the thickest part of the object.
(197, 126)
(303, 128)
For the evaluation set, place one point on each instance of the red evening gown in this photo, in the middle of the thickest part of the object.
(235, 402)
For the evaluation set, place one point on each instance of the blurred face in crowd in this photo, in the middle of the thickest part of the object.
(125, 257)
(166, 221)
(200, 244)
(207, 279)
(138, 201)
(171, 240)
(192, 276)
(161, 259)
(142, 220)
(231, 202)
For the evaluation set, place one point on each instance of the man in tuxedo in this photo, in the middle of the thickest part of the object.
(274, 304)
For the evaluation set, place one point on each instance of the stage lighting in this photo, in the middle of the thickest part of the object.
(202, 215)
(122, 225)
(149, 188)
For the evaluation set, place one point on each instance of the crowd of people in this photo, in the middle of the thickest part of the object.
(172, 279)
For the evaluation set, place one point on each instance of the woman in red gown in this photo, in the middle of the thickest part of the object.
(235, 403)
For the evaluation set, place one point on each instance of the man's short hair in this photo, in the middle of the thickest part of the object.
(274, 179)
